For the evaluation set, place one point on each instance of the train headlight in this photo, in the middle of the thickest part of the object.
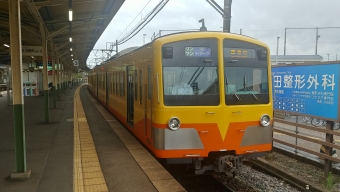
(174, 123)
(265, 120)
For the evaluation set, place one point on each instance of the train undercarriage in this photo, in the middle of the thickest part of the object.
(227, 164)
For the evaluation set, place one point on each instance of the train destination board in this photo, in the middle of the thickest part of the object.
(239, 53)
(198, 51)
(307, 89)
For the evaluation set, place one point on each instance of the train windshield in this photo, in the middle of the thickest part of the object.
(190, 73)
(245, 73)
(189, 85)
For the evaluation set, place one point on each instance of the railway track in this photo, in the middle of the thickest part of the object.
(287, 177)
(202, 183)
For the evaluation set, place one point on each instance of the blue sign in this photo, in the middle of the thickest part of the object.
(198, 51)
(311, 90)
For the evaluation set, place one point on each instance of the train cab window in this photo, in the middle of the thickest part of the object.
(246, 85)
(140, 86)
(136, 85)
(190, 77)
(246, 73)
(190, 80)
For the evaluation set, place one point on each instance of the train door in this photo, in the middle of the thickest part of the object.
(148, 104)
(107, 88)
(130, 95)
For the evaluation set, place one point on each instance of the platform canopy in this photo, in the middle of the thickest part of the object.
(90, 18)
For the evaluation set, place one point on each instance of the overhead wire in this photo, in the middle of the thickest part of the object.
(142, 24)
(134, 18)
(138, 28)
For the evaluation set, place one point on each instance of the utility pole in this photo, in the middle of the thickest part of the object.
(277, 50)
(284, 50)
(144, 39)
(226, 13)
(316, 44)
(227, 17)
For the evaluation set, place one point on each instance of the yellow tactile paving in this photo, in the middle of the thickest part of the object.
(160, 178)
(87, 173)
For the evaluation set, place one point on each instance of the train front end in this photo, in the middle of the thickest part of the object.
(214, 102)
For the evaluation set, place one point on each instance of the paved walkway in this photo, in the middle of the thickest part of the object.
(49, 147)
(85, 149)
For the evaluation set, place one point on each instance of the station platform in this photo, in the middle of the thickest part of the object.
(83, 148)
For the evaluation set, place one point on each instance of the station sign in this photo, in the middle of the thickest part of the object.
(307, 89)
(31, 50)
(76, 63)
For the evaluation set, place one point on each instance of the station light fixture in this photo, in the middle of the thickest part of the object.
(72, 59)
(6, 45)
(71, 55)
(70, 13)
(71, 49)
(70, 39)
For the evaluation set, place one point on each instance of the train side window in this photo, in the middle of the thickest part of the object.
(113, 83)
(120, 83)
(149, 83)
(140, 87)
(100, 81)
(136, 85)
(108, 81)
(117, 83)
(103, 83)
(108, 86)
(123, 83)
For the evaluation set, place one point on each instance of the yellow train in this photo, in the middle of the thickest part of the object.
(194, 97)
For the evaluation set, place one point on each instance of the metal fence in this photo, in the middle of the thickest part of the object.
(293, 131)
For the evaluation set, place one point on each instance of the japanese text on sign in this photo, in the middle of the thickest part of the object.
(310, 90)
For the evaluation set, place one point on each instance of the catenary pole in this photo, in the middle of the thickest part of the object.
(227, 18)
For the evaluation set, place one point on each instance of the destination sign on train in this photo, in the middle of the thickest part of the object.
(197, 51)
(239, 53)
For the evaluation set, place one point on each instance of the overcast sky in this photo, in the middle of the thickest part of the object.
(264, 20)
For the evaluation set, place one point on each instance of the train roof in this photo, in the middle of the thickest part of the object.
(132, 49)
